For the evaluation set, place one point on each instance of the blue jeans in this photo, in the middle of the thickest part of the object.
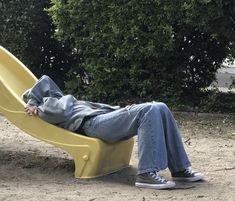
(159, 141)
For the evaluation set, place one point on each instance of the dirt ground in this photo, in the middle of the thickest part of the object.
(32, 170)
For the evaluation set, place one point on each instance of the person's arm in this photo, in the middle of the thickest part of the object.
(45, 87)
(55, 110)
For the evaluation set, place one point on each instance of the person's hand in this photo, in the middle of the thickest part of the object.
(31, 110)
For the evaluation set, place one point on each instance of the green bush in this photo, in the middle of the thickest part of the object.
(27, 31)
(212, 101)
(143, 50)
(215, 101)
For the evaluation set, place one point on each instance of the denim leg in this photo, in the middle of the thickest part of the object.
(159, 142)
(176, 154)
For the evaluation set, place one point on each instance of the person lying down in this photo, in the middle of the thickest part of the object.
(160, 144)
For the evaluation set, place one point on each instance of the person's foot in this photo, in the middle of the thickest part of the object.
(153, 180)
(187, 175)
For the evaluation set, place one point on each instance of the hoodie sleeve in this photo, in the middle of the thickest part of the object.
(44, 87)
(55, 110)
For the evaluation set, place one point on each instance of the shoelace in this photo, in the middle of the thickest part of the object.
(156, 176)
(188, 171)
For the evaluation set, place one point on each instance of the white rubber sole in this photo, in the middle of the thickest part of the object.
(190, 179)
(155, 186)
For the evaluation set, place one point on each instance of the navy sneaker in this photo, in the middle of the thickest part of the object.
(187, 175)
(153, 180)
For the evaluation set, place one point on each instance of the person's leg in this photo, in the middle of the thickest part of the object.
(177, 157)
(127, 122)
(178, 161)
(159, 141)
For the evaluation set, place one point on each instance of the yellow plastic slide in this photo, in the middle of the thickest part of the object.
(92, 156)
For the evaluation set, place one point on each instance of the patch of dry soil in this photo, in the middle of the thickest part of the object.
(32, 170)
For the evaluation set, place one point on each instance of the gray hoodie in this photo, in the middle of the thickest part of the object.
(62, 110)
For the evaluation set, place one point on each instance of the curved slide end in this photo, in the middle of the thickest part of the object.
(92, 156)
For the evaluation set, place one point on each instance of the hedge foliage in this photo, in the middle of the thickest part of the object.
(123, 51)
(144, 50)
(28, 32)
